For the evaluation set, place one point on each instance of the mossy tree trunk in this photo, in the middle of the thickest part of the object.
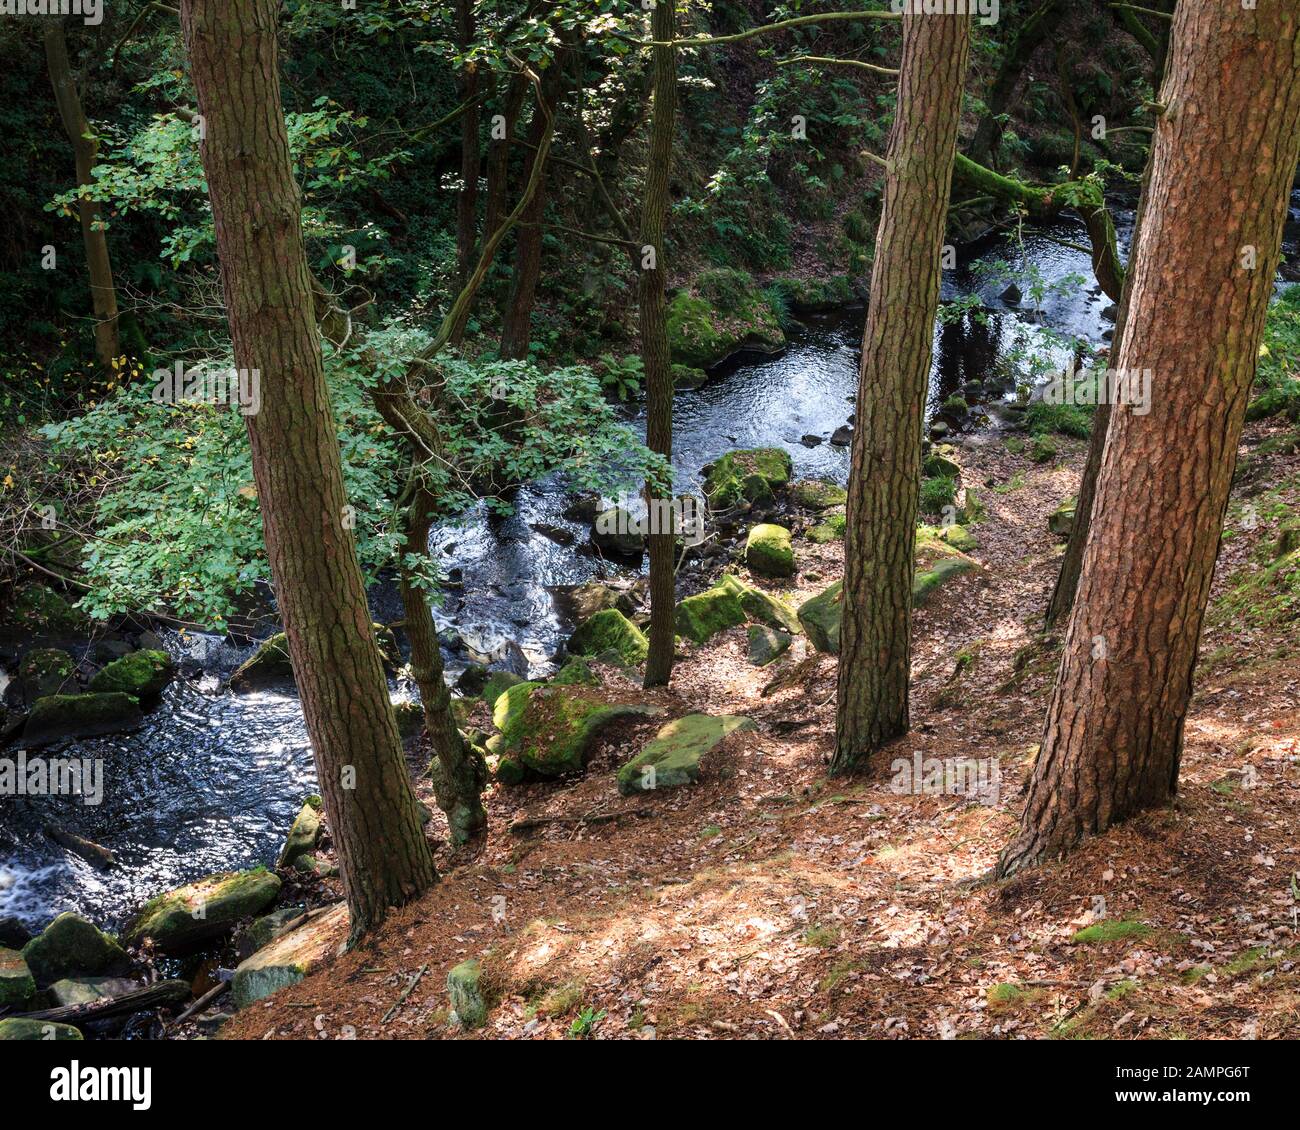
(256, 210)
(1225, 154)
(654, 342)
(884, 476)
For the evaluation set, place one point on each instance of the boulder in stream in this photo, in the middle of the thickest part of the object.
(17, 985)
(69, 947)
(750, 475)
(182, 919)
(304, 834)
(21, 1028)
(142, 674)
(59, 717)
(47, 671)
(270, 664)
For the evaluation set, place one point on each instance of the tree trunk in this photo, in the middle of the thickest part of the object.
(654, 348)
(85, 145)
(256, 213)
(1224, 156)
(498, 159)
(467, 202)
(462, 773)
(885, 473)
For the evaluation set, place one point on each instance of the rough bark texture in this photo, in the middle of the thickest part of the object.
(256, 210)
(1224, 157)
(884, 477)
(467, 202)
(654, 342)
(85, 145)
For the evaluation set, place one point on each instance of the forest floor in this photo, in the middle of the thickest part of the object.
(772, 901)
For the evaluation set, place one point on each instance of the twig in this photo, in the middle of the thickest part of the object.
(405, 993)
(203, 1002)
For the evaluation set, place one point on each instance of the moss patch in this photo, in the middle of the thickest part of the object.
(1111, 931)
(751, 475)
(610, 630)
(142, 674)
(768, 550)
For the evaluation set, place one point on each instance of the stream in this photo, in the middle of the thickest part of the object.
(211, 781)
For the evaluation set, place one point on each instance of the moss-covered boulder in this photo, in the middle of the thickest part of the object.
(940, 465)
(264, 930)
(610, 630)
(17, 985)
(42, 611)
(817, 494)
(465, 993)
(725, 314)
(87, 990)
(181, 919)
(1061, 520)
(71, 946)
(765, 644)
(20, 1028)
(762, 607)
(768, 551)
(142, 674)
(498, 683)
(577, 672)
(289, 958)
(705, 614)
(959, 537)
(813, 295)
(688, 377)
(60, 717)
(410, 718)
(937, 562)
(304, 834)
(673, 757)
(751, 475)
(820, 617)
(47, 671)
(270, 665)
(549, 731)
(830, 528)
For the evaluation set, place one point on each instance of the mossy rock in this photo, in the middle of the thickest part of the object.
(1061, 520)
(179, 920)
(266, 929)
(549, 731)
(304, 834)
(703, 333)
(270, 663)
(673, 757)
(87, 990)
(817, 494)
(766, 644)
(762, 607)
(958, 536)
(610, 630)
(813, 295)
(62, 716)
(768, 551)
(688, 377)
(20, 1028)
(410, 718)
(831, 528)
(289, 958)
(1043, 449)
(498, 683)
(820, 617)
(71, 946)
(938, 465)
(577, 672)
(466, 995)
(17, 985)
(704, 615)
(615, 531)
(750, 475)
(46, 671)
(42, 611)
(142, 674)
(937, 562)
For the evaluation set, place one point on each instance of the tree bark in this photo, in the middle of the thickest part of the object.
(1224, 156)
(654, 346)
(467, 202)
(256, 210)
(85, 146)
(884, 476)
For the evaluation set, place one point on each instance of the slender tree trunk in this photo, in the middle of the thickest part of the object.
(654, 346)
(85, 145)
(256, 212)
(1225, 154)
(467, 203)
(462, 773)
(884, 477)
(498, 159)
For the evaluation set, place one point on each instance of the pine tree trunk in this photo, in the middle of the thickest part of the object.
(654, 346)
(256, 212)
(467, 202)
(885, 472)
(1225, 154)
(85, 146)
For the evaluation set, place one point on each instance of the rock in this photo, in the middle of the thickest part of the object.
(464, 990)
(270, 664)
(814, 296)
(811, 440)
(831, 528)
(266, 929)
(751, 475)
(71, 946)
(1060, 521)
(410, 718)
(820, 617)
(323, 869)
(1011, 296)
(938, 430)
(616, 532)
(768, 551)
(842, 436)
(289, 958)
(61, 716)
(707, 327)
(42, 611)
(937, 562)
(765, 644)
(703, 615)
(937, 465)
(959, 537)
(142, 674)
(817, 494)
(17, 985)
(13, 934)
(549, 731)
(557, 534)
(687, 377)
(576, 672)
(20, 1028)
(305, 831)
(179, 920)
(956, 407)
(762, 607)
(498, 684)
(1110, 313)
(87, 990)
(608, 630)
(47, 671)
(472, 680)
(673, 757)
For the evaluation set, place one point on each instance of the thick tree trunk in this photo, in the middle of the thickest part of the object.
(654, 346)
(85, 145)
(1225, 154)
(462, 773)
(256, 212)
(884, 477)
(467, 203)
